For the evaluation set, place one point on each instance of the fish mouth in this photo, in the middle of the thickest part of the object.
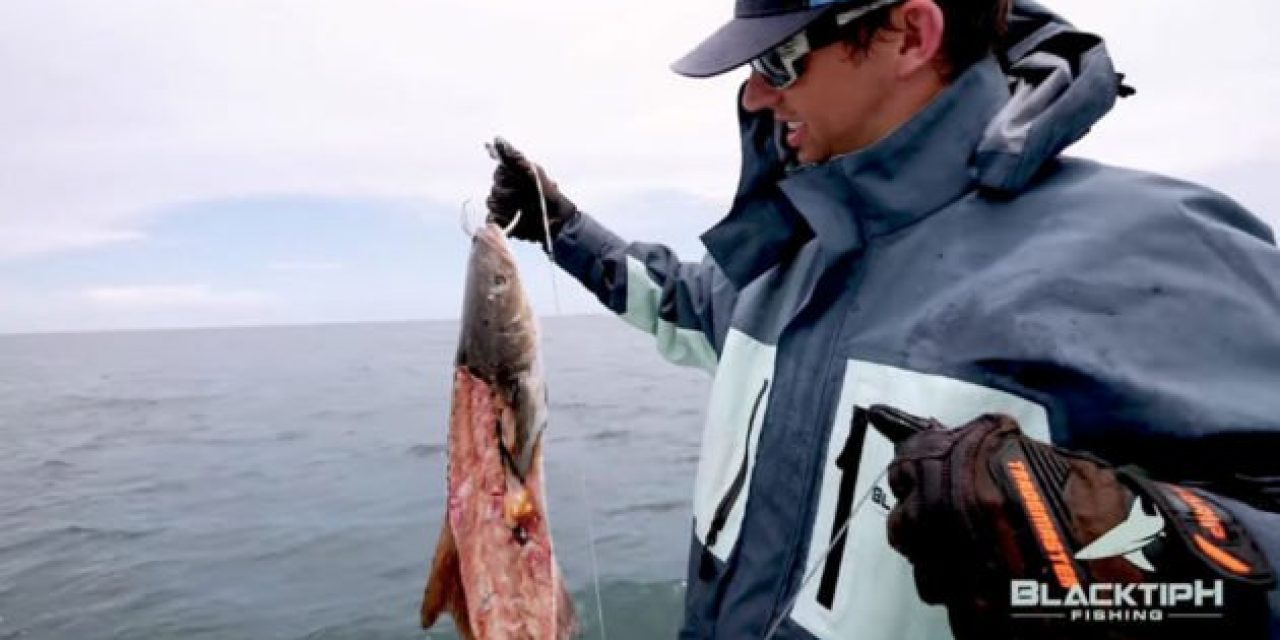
(492, 236)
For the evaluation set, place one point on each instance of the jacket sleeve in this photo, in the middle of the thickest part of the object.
(1212, 397)
(685, 306)
(1204, 411)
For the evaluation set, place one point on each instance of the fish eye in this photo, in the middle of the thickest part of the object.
(499, 280)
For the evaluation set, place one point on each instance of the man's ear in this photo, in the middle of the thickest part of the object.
(920, 25)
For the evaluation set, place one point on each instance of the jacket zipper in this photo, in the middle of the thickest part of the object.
(707, 566)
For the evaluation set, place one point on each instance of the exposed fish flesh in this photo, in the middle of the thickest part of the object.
(494, 569)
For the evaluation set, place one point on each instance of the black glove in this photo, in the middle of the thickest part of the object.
(515, 192)
(993, 521)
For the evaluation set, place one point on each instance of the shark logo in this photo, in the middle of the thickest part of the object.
(1128, 538)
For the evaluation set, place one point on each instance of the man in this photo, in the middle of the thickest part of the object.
(906, 238)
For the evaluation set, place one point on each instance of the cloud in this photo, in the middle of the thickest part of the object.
(116, 110)
(26, 239)
(184, 296)
(136, 307)
(304, 266)
(118, 114)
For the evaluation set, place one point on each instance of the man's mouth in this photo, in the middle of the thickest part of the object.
(795, 134)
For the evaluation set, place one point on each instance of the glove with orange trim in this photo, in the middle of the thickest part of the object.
(1023, 539)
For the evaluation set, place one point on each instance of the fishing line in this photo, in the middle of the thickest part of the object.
(591, 538)
(822, 559)
(546, 237)
(582, 468)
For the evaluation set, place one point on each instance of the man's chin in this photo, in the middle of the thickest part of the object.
(810, 156)
(797, 156)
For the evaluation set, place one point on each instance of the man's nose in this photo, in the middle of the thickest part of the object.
(758, 94)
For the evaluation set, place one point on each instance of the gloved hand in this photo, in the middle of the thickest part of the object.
(514, 191)
(993, 521)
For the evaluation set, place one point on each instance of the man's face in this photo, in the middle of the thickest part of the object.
(835, 107)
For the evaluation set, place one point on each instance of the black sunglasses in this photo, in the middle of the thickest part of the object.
(782, 66)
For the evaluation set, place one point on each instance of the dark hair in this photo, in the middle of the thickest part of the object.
(972, 28)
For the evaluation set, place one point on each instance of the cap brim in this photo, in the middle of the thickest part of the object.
(740, 40)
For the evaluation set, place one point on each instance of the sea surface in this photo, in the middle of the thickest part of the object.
(289, 482)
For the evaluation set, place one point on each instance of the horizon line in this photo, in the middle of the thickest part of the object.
(268, 325)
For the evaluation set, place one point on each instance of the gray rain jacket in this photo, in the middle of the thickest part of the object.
(958, 266)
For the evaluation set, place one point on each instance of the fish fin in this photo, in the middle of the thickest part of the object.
(531, 417)
(444, 587)
(566, 617)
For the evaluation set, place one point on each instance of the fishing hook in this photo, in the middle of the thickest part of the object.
(467, 227)
(470, 229)
(512, 227)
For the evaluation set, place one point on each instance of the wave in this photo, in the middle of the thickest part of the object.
(665, 506)
(605, 435)
(103, 533)
(82, 401)
(426, 450)
(77, 533)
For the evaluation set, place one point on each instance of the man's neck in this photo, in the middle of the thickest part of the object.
(901, 105)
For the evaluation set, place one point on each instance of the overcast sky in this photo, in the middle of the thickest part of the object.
(208, 162)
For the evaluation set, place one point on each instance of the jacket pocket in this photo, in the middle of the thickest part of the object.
(860, 586)
(706, 569)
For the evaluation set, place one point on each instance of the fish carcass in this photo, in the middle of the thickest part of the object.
(494, 569)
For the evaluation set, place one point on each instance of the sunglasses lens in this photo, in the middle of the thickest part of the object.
(771, 67)
(782, 65)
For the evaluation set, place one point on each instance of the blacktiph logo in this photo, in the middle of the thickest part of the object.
(1121, 602)
(1143, 525)
(1118, 602)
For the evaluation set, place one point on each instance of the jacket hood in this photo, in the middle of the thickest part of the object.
(994, 128)
(1061, 83)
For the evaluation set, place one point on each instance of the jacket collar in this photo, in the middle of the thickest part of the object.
(923, 165)
(914, 171)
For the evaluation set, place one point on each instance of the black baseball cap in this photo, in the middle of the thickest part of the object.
(758, 26)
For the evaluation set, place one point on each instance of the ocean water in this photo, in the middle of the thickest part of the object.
(289, 482)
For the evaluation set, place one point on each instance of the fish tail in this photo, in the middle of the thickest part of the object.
(444, 587)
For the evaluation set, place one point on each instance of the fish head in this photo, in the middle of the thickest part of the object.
(498, 341)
